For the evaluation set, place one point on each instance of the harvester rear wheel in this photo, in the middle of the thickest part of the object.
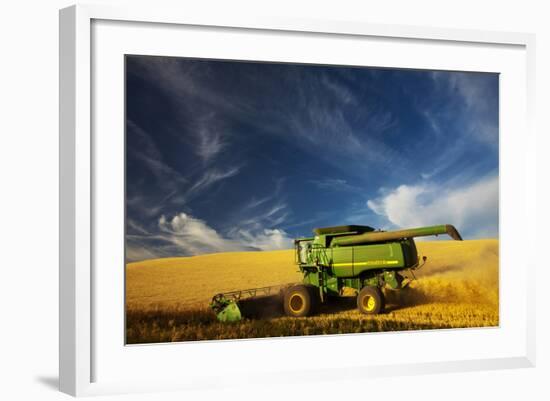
(298, 301)
(370, 300)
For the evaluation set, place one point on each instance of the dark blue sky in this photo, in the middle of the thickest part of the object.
(226, 156)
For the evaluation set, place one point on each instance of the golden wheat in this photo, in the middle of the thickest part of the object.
(167, 298)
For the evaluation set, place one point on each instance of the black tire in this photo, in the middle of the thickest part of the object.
(298, 301)
(370, 301)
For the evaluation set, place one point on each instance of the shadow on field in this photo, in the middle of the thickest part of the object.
(337, 305)
(395, 300)
(404, 298)
(268, 307)
(272, 306)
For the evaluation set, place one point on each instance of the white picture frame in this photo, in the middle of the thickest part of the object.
(78, 162)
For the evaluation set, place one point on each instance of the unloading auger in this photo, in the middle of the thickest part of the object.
(339, 260)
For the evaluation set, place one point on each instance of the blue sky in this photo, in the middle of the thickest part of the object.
(228, 156)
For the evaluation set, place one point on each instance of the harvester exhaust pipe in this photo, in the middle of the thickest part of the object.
(381, 236)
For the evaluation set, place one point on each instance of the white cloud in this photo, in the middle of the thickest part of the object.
(265, 240)
(472, 208)
(194, 236)
(186, 235)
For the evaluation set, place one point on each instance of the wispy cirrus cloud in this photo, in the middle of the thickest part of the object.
(342, 91)
(476, 105)
(212, 176)
(209, 133)
(456, 116)
(145, 149)
(154, 204)
(261, 211)
(325, 112)
(133, 227)
(206, 180)
(334, 184)
(256, 202)
(320, 125)
(269, 216)
(188, 83)
(174, 187)
(190, 91)
(211, 143)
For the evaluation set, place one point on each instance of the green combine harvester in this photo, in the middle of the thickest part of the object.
(338, 261)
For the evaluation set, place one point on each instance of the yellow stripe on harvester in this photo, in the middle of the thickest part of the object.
(368, 263)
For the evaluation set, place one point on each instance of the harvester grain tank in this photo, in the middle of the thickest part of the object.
(341, 260)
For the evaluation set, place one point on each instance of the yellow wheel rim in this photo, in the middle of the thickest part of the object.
(297, 303)
(369, 303)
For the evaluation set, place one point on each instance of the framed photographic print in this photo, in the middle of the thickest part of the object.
(249, 186)
(248, 190)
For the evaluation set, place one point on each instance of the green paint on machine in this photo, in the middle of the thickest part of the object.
(341, 258)
(231, 313)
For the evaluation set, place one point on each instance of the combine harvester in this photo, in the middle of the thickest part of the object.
(338, 261)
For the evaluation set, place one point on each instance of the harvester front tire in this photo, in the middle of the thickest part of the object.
(298, 301)
(370, 301)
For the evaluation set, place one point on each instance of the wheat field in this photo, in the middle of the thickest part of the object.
(167, 299)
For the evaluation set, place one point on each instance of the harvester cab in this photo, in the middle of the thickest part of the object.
(342, 261)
